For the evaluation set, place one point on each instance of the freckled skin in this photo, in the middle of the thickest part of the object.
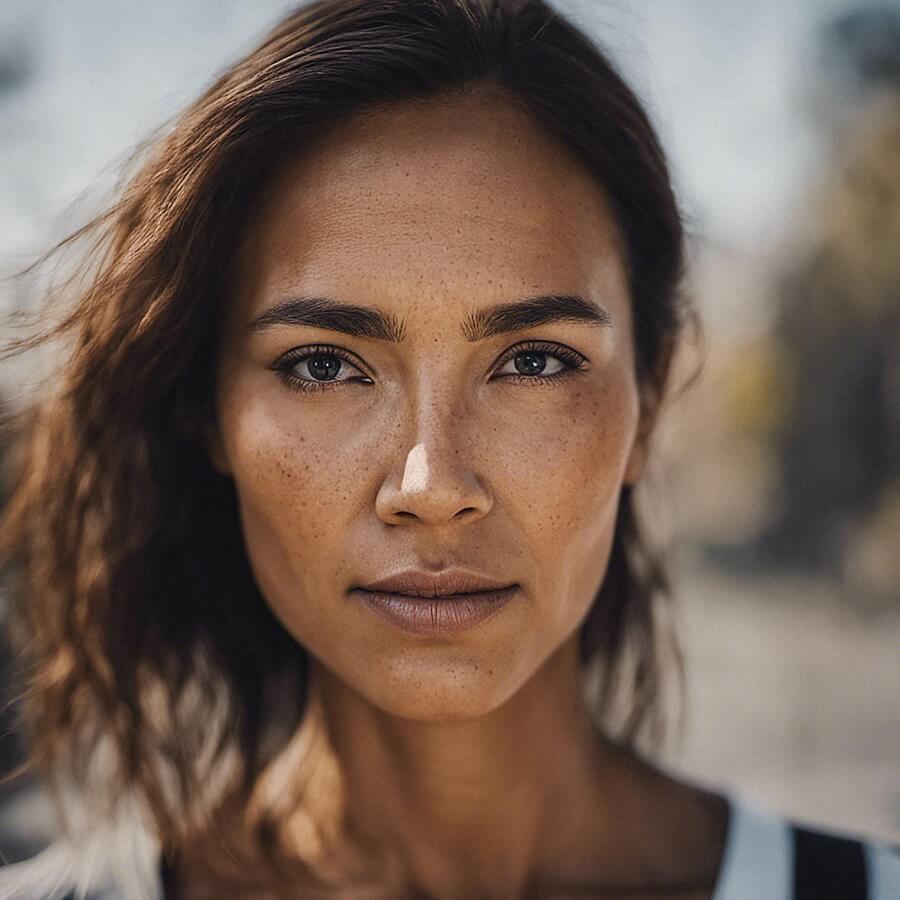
(429, 212)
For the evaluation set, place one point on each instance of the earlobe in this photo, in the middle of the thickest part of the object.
(640, 448)
(636, 461)
(651, 392)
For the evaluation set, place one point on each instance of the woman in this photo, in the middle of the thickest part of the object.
(326, 525)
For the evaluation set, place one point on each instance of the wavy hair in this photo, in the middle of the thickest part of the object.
(149, 658)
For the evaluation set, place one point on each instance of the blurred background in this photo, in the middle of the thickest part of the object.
(780, 467)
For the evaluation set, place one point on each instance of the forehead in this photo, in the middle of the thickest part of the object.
(461, 195)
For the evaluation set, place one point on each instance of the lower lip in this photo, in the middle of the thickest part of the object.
(438, 615)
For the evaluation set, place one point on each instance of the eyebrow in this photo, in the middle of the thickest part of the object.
(370, 322)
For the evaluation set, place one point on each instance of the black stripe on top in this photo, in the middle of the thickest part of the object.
(828, 867)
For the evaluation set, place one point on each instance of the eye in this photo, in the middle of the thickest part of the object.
(324, 367)
(316, 368)
(541, 362)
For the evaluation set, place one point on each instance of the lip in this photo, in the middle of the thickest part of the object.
(415, 583)
(436, 604)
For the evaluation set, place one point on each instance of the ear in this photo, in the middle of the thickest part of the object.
(651, 391)
(640, 448)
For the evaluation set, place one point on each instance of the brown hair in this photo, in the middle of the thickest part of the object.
(140, 627)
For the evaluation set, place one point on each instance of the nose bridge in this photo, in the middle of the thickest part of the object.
(433, 478)
(437, 416)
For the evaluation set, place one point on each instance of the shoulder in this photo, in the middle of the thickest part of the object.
(782, 859)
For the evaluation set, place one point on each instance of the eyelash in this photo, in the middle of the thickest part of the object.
(573, 362)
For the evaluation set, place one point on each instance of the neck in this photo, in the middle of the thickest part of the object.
(527, 800)
(468, 807)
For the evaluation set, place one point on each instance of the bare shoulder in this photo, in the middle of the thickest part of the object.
(688, 825)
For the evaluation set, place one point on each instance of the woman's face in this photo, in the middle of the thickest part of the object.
(447, 431)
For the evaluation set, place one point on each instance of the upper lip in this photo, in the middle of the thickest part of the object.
(436, 584)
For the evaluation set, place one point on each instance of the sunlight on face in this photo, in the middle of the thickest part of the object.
(356, 456)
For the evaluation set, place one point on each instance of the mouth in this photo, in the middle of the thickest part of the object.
(449, 583)
(436, 604)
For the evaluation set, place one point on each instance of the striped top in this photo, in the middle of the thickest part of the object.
(771, 857)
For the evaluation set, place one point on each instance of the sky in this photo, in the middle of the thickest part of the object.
(727, 83)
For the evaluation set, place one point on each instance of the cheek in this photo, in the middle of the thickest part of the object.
(570, 458)
(294, 486)
(293, 457)
(563, 490)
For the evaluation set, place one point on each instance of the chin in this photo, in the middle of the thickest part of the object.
(426, 690)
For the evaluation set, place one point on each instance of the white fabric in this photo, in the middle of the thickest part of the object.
(883, 868)
(758, 856)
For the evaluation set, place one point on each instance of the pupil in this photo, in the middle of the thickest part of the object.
(531, 363)
(322, 367)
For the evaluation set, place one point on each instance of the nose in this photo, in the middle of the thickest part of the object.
(433, 483)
